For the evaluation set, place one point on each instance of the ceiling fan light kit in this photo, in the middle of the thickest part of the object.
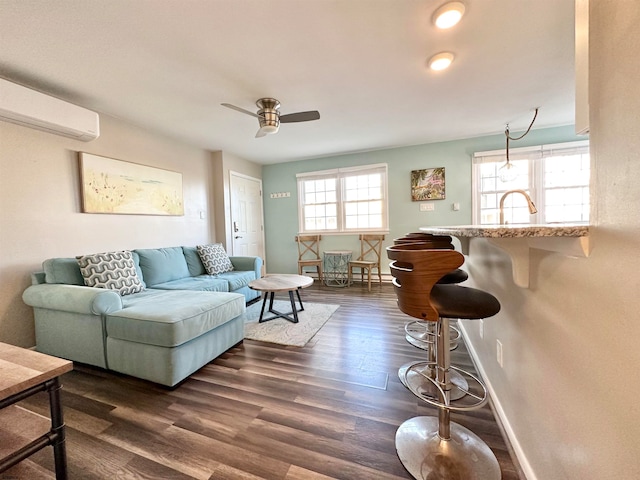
(269, 115)
(448, 14)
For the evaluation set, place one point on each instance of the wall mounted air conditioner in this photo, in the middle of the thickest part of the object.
(31, 108)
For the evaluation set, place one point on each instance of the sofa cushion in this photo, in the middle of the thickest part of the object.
(205, 283)
(172, 318)
(214, 258)
(237, 279)
(62, 270)
(136, 262)
(161, 265)
(193, 261)
(110, 270)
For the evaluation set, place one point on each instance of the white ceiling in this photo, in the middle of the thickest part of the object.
(168, 65)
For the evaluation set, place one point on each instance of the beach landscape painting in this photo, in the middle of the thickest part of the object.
(427, 184)
(119, 187)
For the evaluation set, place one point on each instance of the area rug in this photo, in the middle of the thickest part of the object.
(284, 332)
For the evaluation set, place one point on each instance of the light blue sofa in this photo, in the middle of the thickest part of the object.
(181, 321)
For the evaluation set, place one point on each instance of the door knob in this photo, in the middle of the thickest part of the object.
(237, 236)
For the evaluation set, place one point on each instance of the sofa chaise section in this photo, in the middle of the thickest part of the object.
(165, 336)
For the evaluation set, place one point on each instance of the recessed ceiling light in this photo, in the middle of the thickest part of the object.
(448, 14)
(440, 61)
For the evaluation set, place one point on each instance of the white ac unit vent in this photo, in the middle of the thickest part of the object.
(31, 108)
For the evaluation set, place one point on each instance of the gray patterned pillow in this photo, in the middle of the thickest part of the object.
(112, 270)
(214, 258)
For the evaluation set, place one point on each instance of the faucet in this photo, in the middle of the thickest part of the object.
(532, 206)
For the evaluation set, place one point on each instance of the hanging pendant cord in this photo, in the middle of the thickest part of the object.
(528, 129)
(506, 132)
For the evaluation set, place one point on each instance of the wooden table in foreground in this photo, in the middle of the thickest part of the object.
(24, 373)
(271, 284)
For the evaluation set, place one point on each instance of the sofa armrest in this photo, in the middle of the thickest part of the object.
(72, 298)
(245, 264)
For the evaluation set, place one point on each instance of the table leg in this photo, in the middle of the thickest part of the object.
(291, 316)
(299, 300)
(57, 428)
(294, 311)
(264, 303)
(271, 300)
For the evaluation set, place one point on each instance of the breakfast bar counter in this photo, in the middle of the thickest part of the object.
(571, 239)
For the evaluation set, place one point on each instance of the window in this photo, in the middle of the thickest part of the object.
(556, 177)
(343, 200)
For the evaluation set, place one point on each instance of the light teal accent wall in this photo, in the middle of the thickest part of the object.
(281, 214)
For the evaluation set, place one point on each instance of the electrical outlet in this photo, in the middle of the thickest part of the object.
(481, 329)
(499, 352)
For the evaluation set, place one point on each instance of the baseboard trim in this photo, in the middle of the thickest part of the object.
(521, 463)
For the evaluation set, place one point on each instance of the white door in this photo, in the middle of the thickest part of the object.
(246, 216)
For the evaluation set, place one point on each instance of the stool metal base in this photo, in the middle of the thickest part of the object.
(475, 396)
(418, 335)
(427, 456)
(414, 379)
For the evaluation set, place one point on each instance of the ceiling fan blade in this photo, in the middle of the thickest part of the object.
(241, 110)
(300, 117)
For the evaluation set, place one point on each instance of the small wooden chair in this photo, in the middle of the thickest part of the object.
(309, 253)
(369, 259)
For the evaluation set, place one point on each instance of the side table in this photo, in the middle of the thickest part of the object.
(336, 268)
(24, 373)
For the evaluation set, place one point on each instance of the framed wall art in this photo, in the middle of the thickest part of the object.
(116, 186)
(427, 184)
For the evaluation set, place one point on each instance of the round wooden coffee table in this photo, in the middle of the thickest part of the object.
(270, 284)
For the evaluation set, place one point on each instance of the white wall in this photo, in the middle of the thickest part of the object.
(40, 213)
(569, 388)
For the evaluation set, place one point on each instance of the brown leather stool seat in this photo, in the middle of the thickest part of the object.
(454, 277)
(434, 447)
(455, 301)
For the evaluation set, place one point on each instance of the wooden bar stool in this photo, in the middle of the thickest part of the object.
(435, 447)
(422, 334)
(417, 333)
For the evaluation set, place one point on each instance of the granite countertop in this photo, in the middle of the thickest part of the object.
(512, 230)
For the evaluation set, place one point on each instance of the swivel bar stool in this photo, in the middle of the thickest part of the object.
(422, 335)
(418, 334)
(434, 447)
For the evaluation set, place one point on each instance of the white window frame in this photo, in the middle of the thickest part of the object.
(535, 156)
(340, 175)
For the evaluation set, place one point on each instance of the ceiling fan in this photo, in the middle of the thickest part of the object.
(270, 118)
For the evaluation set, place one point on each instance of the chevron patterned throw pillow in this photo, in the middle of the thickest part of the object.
(214, 258)
(111, 270)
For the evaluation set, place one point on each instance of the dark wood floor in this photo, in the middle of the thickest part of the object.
(260, 411)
